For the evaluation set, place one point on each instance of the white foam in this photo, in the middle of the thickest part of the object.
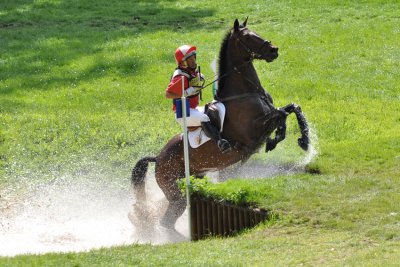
(75, 215)
(87, 212)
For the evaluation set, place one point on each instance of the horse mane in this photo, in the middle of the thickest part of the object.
(222, 60)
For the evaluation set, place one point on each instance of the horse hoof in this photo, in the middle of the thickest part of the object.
(270, 145)
(303, 143)
(168, 224)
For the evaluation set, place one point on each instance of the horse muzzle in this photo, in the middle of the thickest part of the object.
(271, 57)
(271, 54)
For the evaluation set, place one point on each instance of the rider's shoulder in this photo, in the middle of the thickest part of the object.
(180, 72)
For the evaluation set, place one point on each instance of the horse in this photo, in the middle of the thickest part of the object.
(250, 120)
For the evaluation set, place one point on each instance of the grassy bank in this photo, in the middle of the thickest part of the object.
(81, 91)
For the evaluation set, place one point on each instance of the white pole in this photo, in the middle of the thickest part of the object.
(186, 156)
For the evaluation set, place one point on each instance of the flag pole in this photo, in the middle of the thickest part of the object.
(186, 157)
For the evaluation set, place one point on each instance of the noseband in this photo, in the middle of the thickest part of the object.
(252, 54)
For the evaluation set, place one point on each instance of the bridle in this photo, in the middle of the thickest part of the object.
(249, 51)
(252, 54)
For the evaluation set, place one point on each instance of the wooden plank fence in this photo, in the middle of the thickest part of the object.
(212, 218)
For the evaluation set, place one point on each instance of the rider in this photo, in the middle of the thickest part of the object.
(185, 57)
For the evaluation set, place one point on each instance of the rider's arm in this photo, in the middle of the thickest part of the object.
(174, 89)
(172, 95)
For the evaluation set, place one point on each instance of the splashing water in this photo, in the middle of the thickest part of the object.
(72, 214)
(76, 215)
(273, 165)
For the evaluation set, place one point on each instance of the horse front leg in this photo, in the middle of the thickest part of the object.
(280, 135)
(304, 140)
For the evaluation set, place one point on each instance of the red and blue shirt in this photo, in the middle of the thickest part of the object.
(175, 85)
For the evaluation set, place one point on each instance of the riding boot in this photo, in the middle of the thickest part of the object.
(212, 132)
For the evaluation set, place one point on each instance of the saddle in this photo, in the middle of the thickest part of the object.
(216, 112)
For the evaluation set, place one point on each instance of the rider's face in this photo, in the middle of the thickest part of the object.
(191, 62)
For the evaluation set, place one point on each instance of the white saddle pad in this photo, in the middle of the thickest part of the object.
(198, 137)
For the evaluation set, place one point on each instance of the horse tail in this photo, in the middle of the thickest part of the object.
(138, 176)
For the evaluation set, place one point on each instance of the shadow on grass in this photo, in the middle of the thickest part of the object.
(40, 40)
(143, 15)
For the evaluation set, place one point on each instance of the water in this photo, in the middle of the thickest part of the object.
(272, 165)
(72, 214)
(80, 213)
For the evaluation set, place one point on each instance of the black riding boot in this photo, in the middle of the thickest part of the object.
(212, 132)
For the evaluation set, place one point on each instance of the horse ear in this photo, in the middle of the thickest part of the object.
(236, 25)
(245, 22)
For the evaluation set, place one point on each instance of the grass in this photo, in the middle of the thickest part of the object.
(81, 91)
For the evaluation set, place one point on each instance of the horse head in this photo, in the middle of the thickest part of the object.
(251, 45)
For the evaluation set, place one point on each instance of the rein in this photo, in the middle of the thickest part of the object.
(229, 72)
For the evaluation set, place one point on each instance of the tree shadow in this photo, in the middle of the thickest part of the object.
(144, 15)
(40, 39)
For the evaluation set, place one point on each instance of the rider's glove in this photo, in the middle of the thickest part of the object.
(197, 81)
(192, 91)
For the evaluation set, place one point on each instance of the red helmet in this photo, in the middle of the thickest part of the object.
(183, 52)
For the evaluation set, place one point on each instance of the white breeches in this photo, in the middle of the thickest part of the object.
(195, 119)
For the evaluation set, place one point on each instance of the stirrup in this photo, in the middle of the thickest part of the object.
(224, 146)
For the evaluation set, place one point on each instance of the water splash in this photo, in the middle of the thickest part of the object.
(84, 212)
(70, 214)
(273, 164)
(313, 148)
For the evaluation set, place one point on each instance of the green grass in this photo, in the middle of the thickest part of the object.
(81, 91)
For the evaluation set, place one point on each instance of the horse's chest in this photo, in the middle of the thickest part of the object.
(246, 121)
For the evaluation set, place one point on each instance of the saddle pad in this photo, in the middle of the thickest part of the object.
(198, 137)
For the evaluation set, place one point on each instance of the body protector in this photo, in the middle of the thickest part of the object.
(190, 79)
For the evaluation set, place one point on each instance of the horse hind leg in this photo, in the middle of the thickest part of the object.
(174, 210)
(176, 201)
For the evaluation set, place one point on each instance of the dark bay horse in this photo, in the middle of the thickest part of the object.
(250, 121)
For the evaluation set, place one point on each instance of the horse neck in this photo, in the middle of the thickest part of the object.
(242, 80)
